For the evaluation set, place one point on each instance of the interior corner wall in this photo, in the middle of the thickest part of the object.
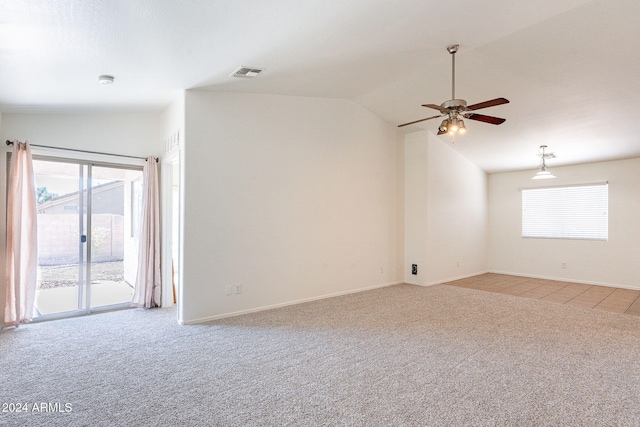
(615, 262)
(286, 199)
(172, 119)
(133, 134)
(458, 221)
(400, 206)
(446, 212)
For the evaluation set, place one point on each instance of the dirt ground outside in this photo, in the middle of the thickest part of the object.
(60, 276)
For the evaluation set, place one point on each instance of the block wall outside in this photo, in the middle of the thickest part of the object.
(58, 238)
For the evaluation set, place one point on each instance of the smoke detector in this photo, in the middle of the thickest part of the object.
(247, 72)
(105, 79)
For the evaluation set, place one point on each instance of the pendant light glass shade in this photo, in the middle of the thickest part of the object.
(543, 174)
(453, 127)
(463, 128)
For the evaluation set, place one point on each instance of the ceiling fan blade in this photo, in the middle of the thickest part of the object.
(487, 119)
(435, 107)
(418, 121)
(485, 104)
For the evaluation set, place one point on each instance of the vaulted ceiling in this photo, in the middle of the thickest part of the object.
(569, 67)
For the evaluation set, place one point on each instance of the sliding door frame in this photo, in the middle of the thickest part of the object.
(169, 163)
(89, 160)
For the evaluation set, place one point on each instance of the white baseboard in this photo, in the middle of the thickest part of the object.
(564, 279)
(284, 304)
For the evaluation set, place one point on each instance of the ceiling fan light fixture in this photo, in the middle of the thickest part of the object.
(455, 108)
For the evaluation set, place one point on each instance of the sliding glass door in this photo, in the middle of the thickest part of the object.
(61, 201)
(88, 218)
(116, 196)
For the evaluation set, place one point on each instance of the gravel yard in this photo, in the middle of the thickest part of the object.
(60, 276)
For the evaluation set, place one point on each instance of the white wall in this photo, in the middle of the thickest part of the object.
(446, 212)
(133, 134)
(292, 198)
(416, 177)
(172, 119)
(398, 239)
(615, 262)
(458, 223)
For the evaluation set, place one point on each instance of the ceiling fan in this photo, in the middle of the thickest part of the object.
(456, 109)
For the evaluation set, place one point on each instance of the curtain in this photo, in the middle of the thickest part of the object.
(148, 282)
(22, 243)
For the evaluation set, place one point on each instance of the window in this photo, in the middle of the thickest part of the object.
(572, 212)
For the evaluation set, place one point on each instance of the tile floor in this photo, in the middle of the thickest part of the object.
(616, 300)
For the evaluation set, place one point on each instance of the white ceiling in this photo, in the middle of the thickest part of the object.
(570, 68)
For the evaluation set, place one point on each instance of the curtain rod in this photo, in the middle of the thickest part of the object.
(84, 151)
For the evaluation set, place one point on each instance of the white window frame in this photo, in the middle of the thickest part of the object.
(575, 212)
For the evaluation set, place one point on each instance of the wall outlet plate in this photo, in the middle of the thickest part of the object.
(414, 268)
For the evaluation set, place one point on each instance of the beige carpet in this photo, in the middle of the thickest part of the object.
(402, 355)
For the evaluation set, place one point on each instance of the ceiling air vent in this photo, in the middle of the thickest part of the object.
(247, 72)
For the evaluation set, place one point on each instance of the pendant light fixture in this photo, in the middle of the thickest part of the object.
(543, 173)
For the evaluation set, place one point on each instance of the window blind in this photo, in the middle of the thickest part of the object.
(575, 212)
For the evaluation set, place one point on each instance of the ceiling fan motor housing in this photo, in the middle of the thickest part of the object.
(454, 104)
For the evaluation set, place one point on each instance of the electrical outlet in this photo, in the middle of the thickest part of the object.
(564, 265)
(414, 268)
(238, 289)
